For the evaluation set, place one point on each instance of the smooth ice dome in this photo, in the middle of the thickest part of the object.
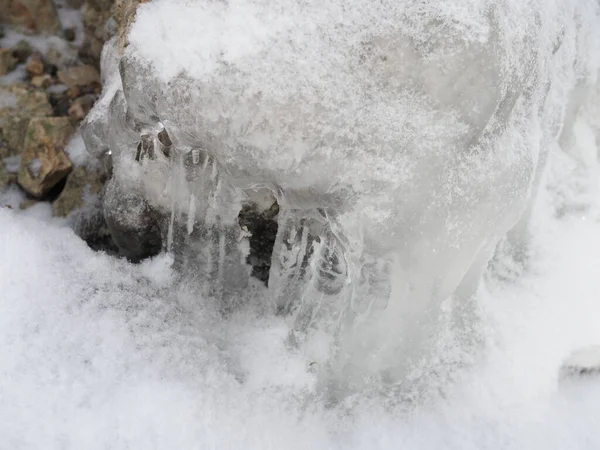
(401, 141)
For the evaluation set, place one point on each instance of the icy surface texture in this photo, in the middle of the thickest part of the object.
(401, 141)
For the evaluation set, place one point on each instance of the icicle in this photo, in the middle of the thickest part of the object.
(191, 214)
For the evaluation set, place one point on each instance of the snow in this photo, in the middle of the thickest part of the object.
(71, 18)
(98, 353)
(77, 153)
(35, 166)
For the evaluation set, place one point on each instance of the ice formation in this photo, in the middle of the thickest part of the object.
(400, 140)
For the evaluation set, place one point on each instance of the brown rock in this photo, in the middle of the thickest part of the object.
(59, 58)
(96, 13)
(125, 11)
(44, 162)
(6, 178)
(14, 130)
(42, 81)
(33, 16)
(4, 150)
(35, 66)
(101, 20)
(27, 101)
(7, 61)
(81, 202)
(81, 106)
(79, 77)
(76, 112)
(14, 119)
(81, 184)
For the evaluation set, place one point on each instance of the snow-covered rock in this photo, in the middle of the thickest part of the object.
(401, 140)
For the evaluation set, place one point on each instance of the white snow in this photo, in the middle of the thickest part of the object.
(78, 154)
(97, 353)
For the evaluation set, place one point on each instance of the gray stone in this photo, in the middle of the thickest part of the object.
(134, 225)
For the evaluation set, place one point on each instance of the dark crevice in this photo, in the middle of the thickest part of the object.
(262, 226)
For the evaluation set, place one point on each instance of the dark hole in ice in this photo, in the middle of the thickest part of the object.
(145, 148)
(263, 228)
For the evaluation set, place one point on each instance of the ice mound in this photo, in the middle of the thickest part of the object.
(399, 141)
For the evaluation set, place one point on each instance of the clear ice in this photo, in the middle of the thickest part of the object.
(399, 141)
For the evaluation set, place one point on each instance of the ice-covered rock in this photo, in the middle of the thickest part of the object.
(401, 141)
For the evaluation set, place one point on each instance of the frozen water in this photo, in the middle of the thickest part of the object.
(402, 141)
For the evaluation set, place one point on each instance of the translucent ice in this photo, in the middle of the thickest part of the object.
(400, 140)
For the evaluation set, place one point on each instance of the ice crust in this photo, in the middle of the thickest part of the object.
(402, 141)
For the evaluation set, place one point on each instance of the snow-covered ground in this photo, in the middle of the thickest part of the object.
(97, 353)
